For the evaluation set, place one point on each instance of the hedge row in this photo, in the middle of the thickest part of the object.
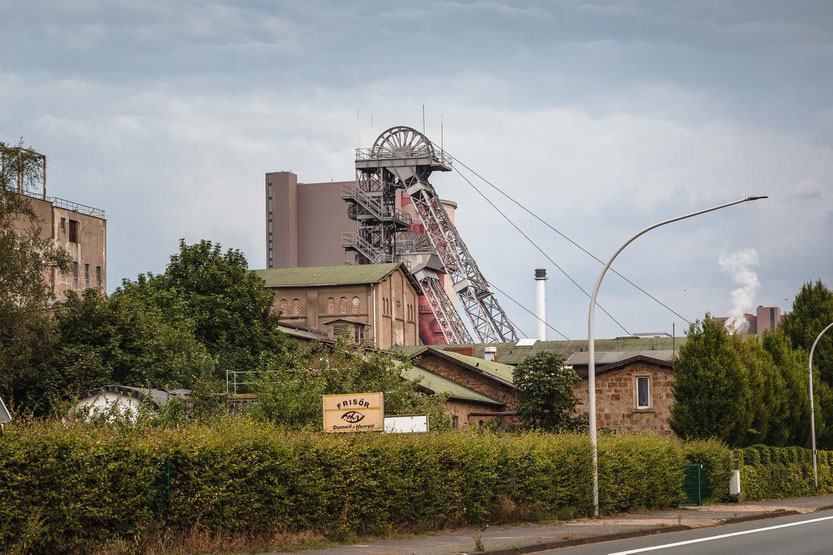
(778, 472)
(70, 488)
(717, 459)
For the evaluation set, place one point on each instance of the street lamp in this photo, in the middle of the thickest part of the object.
(591, 343)
(812, 411)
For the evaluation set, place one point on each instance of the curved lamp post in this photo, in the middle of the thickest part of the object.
(812, 411)
(591, 347)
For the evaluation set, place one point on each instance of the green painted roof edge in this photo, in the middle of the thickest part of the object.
(332, 275)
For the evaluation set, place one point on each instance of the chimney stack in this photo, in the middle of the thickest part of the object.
(541, 302)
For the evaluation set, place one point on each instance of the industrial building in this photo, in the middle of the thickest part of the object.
(79, 229)
(389, 213)
(766, 318)
(374, 304)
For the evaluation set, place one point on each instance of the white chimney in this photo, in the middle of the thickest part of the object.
(541, 302)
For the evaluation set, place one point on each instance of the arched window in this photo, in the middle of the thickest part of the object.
(342, 305)
(282, 306)
(331, 305)
(296, 307)
(356, 305)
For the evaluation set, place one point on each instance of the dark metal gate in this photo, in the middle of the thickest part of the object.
(695, 486)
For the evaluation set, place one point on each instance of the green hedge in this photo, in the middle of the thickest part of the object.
(717, 459)
(72, 487)
(777, 472)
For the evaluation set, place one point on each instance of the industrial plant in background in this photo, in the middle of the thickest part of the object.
(393, 214)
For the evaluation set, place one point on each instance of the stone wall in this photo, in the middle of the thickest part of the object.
(616, 398)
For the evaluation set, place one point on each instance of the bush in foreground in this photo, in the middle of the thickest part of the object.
(74, 487)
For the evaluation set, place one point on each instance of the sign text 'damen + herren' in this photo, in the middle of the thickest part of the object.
(354, 412)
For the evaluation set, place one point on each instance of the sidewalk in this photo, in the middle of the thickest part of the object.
(528, 538)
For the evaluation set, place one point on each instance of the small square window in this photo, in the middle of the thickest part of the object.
(643, 392)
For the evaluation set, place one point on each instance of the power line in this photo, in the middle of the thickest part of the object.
(505, 294)
(534, 244)
(590, 254)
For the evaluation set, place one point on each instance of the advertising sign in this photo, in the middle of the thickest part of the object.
(407, 424)
(354, 412)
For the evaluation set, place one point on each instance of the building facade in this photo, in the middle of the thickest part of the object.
(304, 222)
(81, 231)
(373, 303)
(632, 394)
(766, 318)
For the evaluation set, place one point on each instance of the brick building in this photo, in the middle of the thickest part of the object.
(633, 390)
(490, 379)
(374, 303)
(82, 232)
(79, 229)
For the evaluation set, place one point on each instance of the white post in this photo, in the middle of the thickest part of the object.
(541, 302)
(591, 343)
(812, 411)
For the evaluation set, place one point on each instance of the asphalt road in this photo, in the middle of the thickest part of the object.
(798, 534)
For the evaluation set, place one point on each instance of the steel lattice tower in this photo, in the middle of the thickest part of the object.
(403, 158)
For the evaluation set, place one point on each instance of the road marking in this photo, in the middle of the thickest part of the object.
(720, 537)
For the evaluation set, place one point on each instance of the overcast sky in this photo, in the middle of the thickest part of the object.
(604, 117)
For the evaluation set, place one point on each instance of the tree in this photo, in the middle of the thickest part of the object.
(545, 392)
(290, 393)
(26, 332)
(216, 297)
(812, 311)
(118, 340)
(791, 426)
(712, 395)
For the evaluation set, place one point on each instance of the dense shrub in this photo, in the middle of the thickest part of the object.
(716, 457)
(776, 472)
(69, 486)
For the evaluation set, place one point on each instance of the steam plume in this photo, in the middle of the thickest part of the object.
(738, 265)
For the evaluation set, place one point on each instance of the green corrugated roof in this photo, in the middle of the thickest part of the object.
(326, 275)
(502, 371)
(508, 353)
(303, 334)
(440, 384)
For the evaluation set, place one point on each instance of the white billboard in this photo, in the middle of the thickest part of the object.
(409, 424)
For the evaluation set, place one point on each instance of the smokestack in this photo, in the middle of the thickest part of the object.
(541, 302)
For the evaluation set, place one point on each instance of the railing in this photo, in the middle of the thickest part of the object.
(374, 204)
(387, 153)
(67, 204)
(76, 207)
(352, 240)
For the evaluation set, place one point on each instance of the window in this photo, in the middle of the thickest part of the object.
(73, 231)
(643, 392)
(87, 272)
(342, 305)
(455, 421)
(359, 333)
(338, 330)
(296, 307)
(282, 306)
(356, 305)
(75, 270)
(98, 274)
(331, 305)
(64, 224)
